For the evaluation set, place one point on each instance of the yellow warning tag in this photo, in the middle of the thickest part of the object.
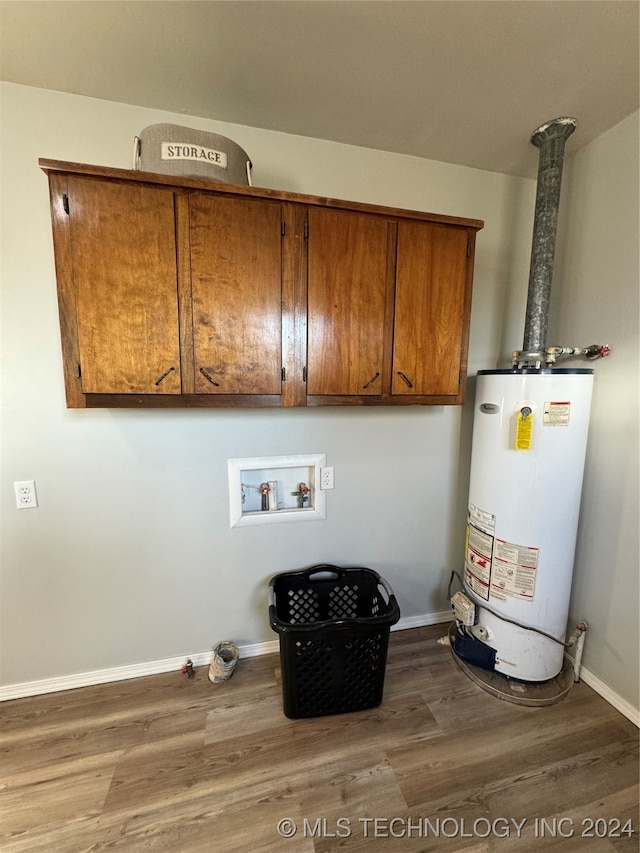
(524, 429)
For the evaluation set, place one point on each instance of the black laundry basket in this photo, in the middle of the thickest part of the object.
(334, 633)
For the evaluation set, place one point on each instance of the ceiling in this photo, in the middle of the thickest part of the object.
(456, 81)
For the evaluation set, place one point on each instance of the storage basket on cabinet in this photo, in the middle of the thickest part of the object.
(175, 150)
(333, 625)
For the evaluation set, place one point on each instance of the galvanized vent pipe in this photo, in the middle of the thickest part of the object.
(550, 139)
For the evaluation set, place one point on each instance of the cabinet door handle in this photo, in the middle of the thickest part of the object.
(406, 379)
(164, 376)
(371, 381)
(209, 377)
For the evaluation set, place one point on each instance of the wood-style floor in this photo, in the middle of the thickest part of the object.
(168, 763)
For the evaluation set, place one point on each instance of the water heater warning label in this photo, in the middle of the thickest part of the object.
(480, 540)
(524, 429)
(514, 571)
(495, 568)
(556, 414)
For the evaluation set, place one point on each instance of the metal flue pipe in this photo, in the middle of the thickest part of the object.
(550, 139)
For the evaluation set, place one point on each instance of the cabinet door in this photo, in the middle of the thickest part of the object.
(431, 309)
(236, 280)
(125, 287)
(348, 277)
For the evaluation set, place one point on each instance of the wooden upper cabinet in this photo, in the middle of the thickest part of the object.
(236, 290)
(388, 309)
(181, 292)
(123, 261)
(430, 309)
(348, 280)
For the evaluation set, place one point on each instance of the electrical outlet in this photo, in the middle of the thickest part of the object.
(326, 478)
(26, 494)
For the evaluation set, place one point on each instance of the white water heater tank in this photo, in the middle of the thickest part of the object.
(529, 444)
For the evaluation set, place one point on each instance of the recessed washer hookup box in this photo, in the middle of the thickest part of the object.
(171, 149)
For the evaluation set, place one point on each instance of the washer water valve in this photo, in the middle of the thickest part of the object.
(302, 494)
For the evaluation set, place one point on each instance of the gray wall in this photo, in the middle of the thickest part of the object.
(595, 300)
(129, 557)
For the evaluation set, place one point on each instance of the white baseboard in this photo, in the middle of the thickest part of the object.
(175, 664)
(121, 673)
(610, 696)
(423, 620)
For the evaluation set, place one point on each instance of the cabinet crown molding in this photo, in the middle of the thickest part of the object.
(177, 182)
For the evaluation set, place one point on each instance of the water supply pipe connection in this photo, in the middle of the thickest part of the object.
(548, 357)
(577, 640)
